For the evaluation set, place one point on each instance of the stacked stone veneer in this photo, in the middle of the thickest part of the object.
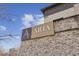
(64, 42)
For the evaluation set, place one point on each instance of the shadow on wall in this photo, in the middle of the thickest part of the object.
(26, 34)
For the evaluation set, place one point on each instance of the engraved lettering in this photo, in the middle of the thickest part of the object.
(36, 30)
(48, 27)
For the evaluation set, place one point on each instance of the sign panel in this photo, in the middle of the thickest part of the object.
(38, 31)
(43, 30)
(26, 34)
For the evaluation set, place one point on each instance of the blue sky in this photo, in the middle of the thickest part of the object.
(14, 18)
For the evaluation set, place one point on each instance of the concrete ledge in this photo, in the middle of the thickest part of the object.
(76, 8)
(65, 24)
(63, 14)
(68, 13)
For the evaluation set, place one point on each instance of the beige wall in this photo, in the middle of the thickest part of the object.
(63, 42)
(62, 14)
(13, 52)
(4, 53)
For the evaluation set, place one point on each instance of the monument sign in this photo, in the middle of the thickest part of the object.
(38, 31)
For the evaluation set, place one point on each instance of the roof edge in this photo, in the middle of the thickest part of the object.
(53, 5)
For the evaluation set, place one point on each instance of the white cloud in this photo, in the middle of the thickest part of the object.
(29, 20)
(2, 28)
(39, 15)
(40, 21)
(28, 17)
(6, 37)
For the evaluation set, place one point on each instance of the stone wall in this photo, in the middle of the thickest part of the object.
(4, 53)
(65, 41)
(13, 52)
(63, 12)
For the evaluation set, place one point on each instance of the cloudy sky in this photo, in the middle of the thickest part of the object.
(14, 18)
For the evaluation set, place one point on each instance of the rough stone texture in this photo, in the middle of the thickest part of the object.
(64, 42)
(64, 24)
(4, 53)
(13, 52)
(77, 20)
